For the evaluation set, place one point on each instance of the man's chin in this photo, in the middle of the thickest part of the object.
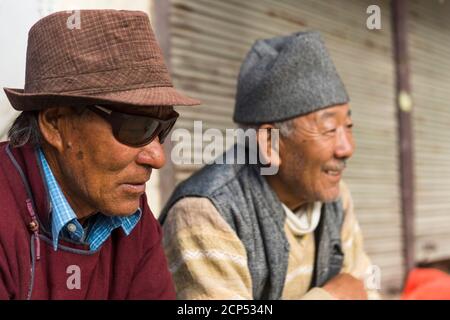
(122, 210)
(330, 195)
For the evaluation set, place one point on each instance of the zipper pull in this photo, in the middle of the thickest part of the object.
(33, 226)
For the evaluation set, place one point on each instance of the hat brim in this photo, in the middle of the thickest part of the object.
(134, 100)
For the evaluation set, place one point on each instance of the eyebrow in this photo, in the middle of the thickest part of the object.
(326, 115)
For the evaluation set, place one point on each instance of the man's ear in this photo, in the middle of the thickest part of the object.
(51, 127)
(269, 144)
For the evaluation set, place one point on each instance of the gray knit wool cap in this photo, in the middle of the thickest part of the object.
(286, 77)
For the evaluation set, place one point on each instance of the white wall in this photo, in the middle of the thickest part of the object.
(16, 18)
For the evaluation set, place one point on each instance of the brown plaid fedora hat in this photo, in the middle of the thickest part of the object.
(113, 58)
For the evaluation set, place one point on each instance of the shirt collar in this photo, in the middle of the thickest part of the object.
(303, 221)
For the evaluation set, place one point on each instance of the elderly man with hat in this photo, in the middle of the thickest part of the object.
(233, 233)
(96, 107)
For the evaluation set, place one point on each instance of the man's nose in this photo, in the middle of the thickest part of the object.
(152, 155)
(345, 144)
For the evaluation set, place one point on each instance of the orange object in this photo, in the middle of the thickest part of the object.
(427, 284)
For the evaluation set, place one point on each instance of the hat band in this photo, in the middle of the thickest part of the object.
(103, 81)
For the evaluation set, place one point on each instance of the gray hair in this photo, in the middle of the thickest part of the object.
(25, 129)
(286, 127)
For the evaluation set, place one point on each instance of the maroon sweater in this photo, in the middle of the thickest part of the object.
(125, 267)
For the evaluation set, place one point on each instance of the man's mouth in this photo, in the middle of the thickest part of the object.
(334, 173)
(134, 187)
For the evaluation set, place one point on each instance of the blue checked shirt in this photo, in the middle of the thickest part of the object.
(65, 222)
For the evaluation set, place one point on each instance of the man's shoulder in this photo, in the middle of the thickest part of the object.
(12, 199)
(197, 213)
(12, 215)
(211, 182)
(210, 179)
(148, 227)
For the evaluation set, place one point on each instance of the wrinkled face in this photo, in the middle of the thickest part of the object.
(313, 156)
(98, 173)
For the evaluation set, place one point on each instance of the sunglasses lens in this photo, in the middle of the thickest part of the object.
(166, 130)
(137, 131)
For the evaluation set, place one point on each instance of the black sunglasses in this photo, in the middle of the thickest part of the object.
(135, 130)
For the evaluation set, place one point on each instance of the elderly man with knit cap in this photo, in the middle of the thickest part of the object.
(96, 107)
(233, 233)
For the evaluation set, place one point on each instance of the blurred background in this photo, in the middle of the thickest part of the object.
(397, 75)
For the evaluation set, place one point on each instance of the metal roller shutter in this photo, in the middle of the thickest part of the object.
(430, 74)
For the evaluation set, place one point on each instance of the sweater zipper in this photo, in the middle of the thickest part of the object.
(34, 227)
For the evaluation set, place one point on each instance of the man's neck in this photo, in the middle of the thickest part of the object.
(284, 193)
